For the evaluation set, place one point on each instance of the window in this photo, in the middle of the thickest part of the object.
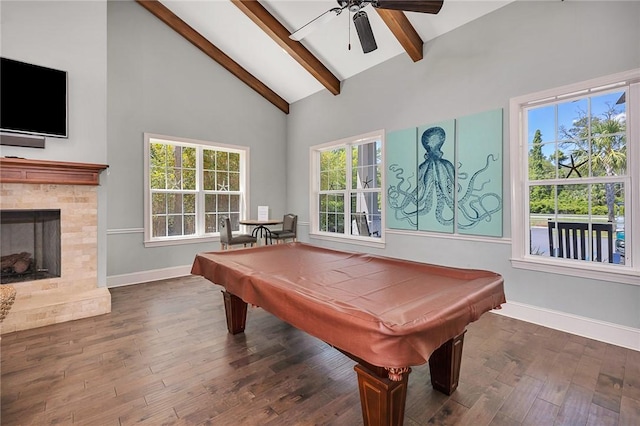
(190, 186)
(347, 188)
(574, 159)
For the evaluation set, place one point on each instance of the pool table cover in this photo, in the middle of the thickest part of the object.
(389, 312)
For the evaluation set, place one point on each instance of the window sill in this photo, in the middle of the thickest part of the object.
(591, 270)
(361, 241)
(173, 241)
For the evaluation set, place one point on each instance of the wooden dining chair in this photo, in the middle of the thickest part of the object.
(289, 229)
(227, 239)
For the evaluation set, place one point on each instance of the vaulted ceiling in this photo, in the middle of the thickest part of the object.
(250, 39)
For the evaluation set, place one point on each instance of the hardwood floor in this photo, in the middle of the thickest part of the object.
(163, 356)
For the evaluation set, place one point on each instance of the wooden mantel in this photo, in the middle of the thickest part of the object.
(22, 170)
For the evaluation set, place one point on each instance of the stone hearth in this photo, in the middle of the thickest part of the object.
(72, 188)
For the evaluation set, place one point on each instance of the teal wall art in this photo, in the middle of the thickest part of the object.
(436, 177)
(479, 156)
(426, 163)
(401, 155)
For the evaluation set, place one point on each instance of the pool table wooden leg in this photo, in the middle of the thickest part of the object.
(444, 364)
(236, 311)
(382, 400)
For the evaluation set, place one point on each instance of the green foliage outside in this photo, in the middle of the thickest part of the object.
(599, 142)
(173, 167)
(333, 177)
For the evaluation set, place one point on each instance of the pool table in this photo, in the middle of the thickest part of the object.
(386, 314)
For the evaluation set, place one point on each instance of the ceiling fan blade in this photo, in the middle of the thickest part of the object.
(309, 27)
(365, 34)
(409, 5)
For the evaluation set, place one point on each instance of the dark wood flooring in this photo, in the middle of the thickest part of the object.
(163, 356)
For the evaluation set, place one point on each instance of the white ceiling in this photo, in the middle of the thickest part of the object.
(228, 28)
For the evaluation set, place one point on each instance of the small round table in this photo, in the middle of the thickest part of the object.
(260, 227)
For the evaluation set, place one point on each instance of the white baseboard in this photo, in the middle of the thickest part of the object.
(146, 276)
(615, 334)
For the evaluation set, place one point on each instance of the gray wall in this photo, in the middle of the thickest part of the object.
(521, 48)
(160, 83)
(70, 36)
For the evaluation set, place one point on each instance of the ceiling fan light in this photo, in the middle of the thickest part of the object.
(365, 34)
(355, 6)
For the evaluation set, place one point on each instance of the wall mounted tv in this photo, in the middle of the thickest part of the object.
(33, 99)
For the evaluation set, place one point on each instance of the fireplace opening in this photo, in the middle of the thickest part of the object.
(30, 245)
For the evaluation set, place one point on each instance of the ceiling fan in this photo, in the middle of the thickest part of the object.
(360, 19)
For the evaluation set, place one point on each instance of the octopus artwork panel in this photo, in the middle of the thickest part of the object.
(436, 176)
(479, 147)
(401, 154)
(447, 177)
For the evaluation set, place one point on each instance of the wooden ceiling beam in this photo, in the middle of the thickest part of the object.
(400, 26)
(195, 38)
(270, 25)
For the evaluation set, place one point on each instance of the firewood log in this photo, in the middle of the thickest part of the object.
(21, 266)
(8, 261)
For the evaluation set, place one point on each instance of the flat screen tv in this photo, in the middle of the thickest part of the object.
(33, 99)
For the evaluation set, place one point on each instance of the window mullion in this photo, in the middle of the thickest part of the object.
(632, 218)
(200, 227)
(348, 189)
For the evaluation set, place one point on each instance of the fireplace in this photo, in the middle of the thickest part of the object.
(50, 211)
(29, 245)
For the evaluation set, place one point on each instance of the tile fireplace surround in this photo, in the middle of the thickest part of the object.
(72, 188)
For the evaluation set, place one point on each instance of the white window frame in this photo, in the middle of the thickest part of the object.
(200, 236)
(628, 273)
(314, 190)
